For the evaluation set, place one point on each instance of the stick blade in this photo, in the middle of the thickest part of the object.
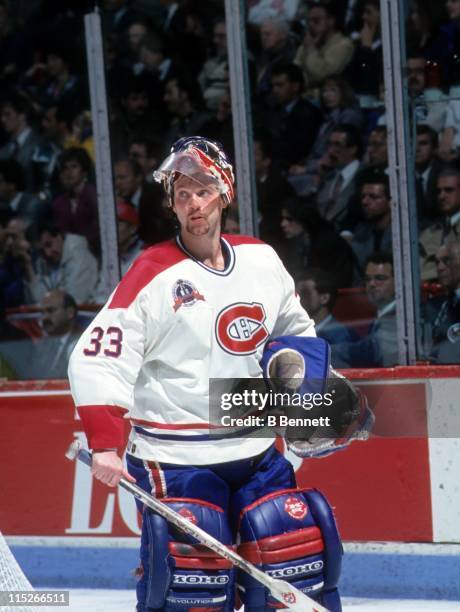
(294, 599)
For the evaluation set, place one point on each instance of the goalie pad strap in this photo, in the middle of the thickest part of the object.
(179, 549)
(253, 553)
(289, 539)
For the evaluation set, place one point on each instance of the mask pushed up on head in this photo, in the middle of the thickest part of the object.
(200, 159)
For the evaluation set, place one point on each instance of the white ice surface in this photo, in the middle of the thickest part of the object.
(95, 600)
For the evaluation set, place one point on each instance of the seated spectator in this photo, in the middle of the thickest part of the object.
(61, 85)
(56, 125)
(220, 125)
(147, 153)
(183, 28)
(449, 144)
(294, 122)
(318, 294)
(296, 248)
(272, 190)
(427, 169)
(213, 78)
(137, 31)
(16, 262)
(430, 308)
(376, 154)
(429, 109)
(14, 198)
(263, 9)
(374, 233)
(324, 51)
(22, 139)
(339, 105)
(75, 208)
(445, 323)
(137, 113)
(312, 242)
(50, 355)
(156, 61)
(147, 199)
(365, 71)
(337, 186)
(447, 228)
(64, 262)
(379, 348)
(129, 244)
(184, 103)
(427, 112)
(277, 47)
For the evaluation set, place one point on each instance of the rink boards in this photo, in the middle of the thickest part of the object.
(401, 485)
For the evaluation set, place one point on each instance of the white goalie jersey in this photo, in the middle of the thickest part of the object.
(170, 326)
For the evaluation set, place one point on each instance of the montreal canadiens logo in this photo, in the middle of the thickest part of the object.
(240, 328)
(185, 294)
(188, 514)
(295, 507)
(289, 598)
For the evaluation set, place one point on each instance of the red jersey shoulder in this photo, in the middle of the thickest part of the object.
(237, 239)
(147, 266)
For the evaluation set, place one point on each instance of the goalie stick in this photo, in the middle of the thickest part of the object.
(281, 590)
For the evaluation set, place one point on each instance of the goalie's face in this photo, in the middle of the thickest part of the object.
(198, 206)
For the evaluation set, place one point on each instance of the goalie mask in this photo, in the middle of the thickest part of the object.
(200, 159)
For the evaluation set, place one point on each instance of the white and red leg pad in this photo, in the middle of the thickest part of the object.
(291, 535)
(183, 575)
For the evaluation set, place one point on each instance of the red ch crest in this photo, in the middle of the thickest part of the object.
(240, 328)
(295, 507)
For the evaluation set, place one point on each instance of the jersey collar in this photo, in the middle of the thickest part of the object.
(227, 250)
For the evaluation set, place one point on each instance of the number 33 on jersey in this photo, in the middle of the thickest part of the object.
(173, 323)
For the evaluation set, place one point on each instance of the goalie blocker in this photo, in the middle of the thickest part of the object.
(301, 366)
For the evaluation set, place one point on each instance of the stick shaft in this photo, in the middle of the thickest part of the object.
(278, 588)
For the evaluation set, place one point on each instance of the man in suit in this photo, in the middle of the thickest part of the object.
(379, 348)
(318, 294)
(272, 190)
(447, 228)
(276, 47)
(374, 233)
(427, 169)
(184, 102)
(23, 140)
(294, 122)
(131, 187)
(51, 353)
(445, 322)
(64, 262)
(339, 185)
(14, 198)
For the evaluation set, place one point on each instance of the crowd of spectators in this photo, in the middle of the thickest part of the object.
(320, 150)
